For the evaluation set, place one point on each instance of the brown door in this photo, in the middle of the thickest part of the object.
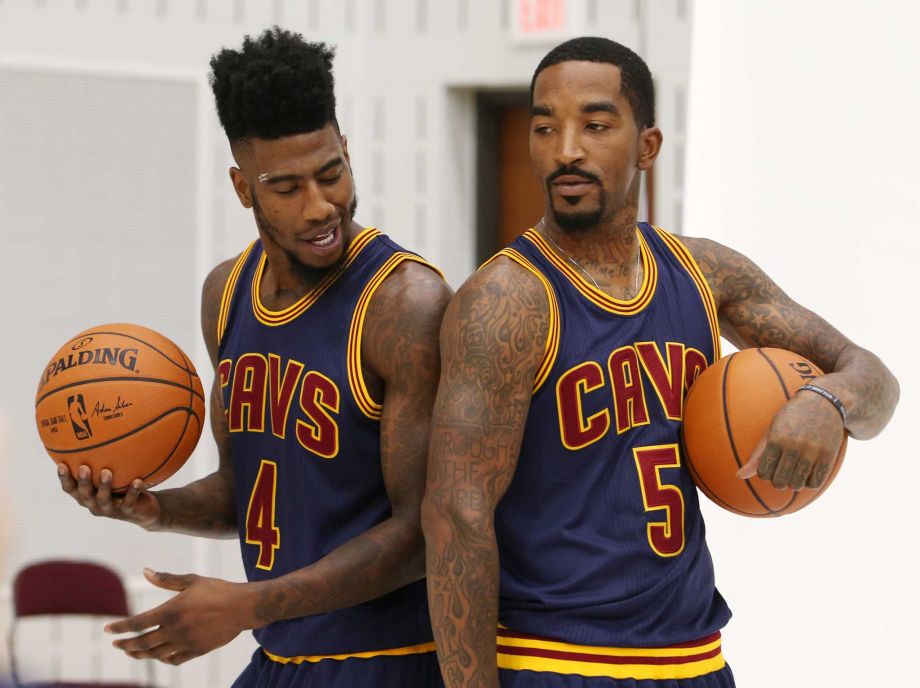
(520, 199)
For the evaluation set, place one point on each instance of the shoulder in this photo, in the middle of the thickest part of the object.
(411, 288)
(501, 305)
(217, 278)
(503, 278)
(211, 293)
(400, 332)
(729, 273)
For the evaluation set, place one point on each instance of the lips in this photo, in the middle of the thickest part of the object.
(324, 239)
(572, 185)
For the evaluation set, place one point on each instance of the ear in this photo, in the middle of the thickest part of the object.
(344, 140)
(241, 186)
(650, 140)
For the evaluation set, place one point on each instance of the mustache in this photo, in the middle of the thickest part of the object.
(573, 170)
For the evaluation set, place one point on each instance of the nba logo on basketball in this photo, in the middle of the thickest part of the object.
(78, 419)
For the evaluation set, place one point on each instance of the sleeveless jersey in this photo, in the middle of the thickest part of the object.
(600, 535)
(305, 444)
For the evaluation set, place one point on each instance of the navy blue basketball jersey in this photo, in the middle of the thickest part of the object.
(305, 442)
(600, 535)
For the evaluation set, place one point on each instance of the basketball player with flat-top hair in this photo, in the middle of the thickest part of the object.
(558, 509)
(324, 339)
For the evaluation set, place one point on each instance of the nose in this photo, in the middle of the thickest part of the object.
(570, 151)
(316, 208)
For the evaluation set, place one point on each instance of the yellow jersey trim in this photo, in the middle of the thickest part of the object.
(521, 652)
(709, 302)
(394, 652)
(229, 288)
(368, 405)
(274, 318)
(592, 293)
(551, 347)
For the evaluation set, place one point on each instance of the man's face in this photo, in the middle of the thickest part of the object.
(585, 145)
(302, 193)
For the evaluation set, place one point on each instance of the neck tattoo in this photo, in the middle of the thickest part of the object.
(588, 274)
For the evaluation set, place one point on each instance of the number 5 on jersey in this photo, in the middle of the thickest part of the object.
(665, 538)
(260, 516)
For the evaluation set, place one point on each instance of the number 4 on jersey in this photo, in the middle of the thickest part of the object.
(260, 516)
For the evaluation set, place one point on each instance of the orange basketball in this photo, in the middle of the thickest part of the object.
(727, 411)
(121, 397)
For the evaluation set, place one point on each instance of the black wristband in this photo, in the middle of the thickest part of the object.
(830, 396)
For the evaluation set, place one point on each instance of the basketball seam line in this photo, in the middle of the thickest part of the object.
(150, 422)
(731, 438)
(704, 487)
(146, 343)
(117, 379)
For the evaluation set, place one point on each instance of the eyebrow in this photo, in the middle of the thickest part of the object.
(601, 106)
(598, 106)
(292, 177)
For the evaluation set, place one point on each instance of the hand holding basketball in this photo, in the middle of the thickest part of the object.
(800, 448)
(136, 505)
(744, 416)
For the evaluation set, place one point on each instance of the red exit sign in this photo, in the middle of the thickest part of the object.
(539, 17)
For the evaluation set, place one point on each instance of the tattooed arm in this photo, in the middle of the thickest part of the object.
(492, 339)
(806, 434)
(400, 351)
(203, 507)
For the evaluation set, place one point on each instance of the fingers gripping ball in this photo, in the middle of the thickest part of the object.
(121, 397)
(728, 410)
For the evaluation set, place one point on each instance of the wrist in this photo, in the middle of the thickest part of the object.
(251, 603)
(828, 396)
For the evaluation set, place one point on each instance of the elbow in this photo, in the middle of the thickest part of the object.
(444, 521)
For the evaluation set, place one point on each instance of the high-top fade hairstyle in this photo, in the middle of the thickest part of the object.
(276, 85)
(635, 78)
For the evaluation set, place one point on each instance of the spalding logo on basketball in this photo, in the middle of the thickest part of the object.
(121, 397)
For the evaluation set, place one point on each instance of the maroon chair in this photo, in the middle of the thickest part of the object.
(56, 587)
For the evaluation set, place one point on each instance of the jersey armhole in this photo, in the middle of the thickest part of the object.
(226, 299)
(369, 406)
(551, 346)
(709, 303)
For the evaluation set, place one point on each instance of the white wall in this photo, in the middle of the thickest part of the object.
(803, 154)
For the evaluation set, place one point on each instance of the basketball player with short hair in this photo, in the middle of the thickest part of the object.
(558, 509)
(324, 339)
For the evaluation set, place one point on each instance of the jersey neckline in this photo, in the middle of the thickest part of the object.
(593, 294)
(266, 316)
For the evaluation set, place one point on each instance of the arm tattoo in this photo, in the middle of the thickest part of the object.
(754, 311)
(491, 342)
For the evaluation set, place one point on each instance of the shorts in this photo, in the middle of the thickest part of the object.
(531, 679)
(383, 671)
(529, 661)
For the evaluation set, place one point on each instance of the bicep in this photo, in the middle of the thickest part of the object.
(219, 425)
(211, 293)
(492, 341)
(754, 311)
(400, 346)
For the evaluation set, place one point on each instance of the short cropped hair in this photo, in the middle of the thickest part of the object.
(276, 85)
(635, 82)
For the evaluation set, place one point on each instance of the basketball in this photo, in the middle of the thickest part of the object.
(727, 411)
(121, 397)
